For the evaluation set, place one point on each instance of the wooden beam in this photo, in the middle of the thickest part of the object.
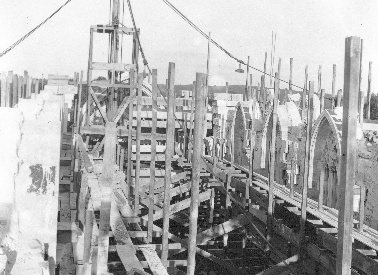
(348, 154)
(153, 260)
(103, 238)
(291, 76)
(262, 91)
(369, 91)
(230, 268)
(333, 87)
(169, 151)
(322, 94)
(88, 230)
(286, 265)
(15, 90)
(319, 79)
(179, 206)
(304, 95)
(272, 162)
(103, 114)
(130, 142)
(137, 141)
(79, 102)
(106, 183)
(307, 178)
(196, 170)
(153, 154)
(362, 207)
(87, 161)
(221, 229)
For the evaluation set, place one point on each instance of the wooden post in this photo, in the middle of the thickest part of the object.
(121, 163)
(306, 174)
(339, 98)
(319, 79)
(333, 87)
(348, 155)
(137, 141)
(321, 187)
(185, 134)
(291, 76)
(169, 151)
(293, 177)
(369, 92)
(20, 87)
(36, 89)
(153, 155)
(14, 90)
(272, 161)
(362, 207)
(130, 136)
(227, 89)
(89, 79)
(106, 183)
(252, 141)
(196, 169)
(3, 88)
(8, 92)
(361, 108)
(247, 95)
(322, 93)
(221, 139)
(88, 229)
(304, 95)
(263, 93)
(207, 87)
(79, 102)
(191, 123)
(360, 77)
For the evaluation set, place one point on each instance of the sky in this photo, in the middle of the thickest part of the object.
(312, 32)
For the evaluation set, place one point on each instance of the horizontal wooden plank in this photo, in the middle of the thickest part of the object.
(163, 124)
(107, 84)
(147, 157)
(171, 263)
(112, 66)
(153, 261)
(162, 102)
(67, 226)
(147, 148)
(164, 115)
(180, 206)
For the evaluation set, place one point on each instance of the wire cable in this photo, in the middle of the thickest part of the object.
(33, 30)
(219, 46)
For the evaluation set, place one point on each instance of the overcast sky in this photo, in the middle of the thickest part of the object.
(311, 32)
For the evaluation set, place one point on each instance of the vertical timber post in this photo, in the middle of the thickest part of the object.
(137, 141)
(307, 175)
(348, 155)
(196, 169)
(169, 151)
(322, 94)
(106, 183)
(369, 92)
(153, 155)
(252, 141)
(291, 76)
(319, 80)
(273, 155)
(333, 87)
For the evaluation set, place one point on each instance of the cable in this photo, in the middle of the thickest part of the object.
(33, 30)
(219, 46)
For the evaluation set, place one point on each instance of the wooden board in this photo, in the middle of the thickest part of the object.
(153, 260)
